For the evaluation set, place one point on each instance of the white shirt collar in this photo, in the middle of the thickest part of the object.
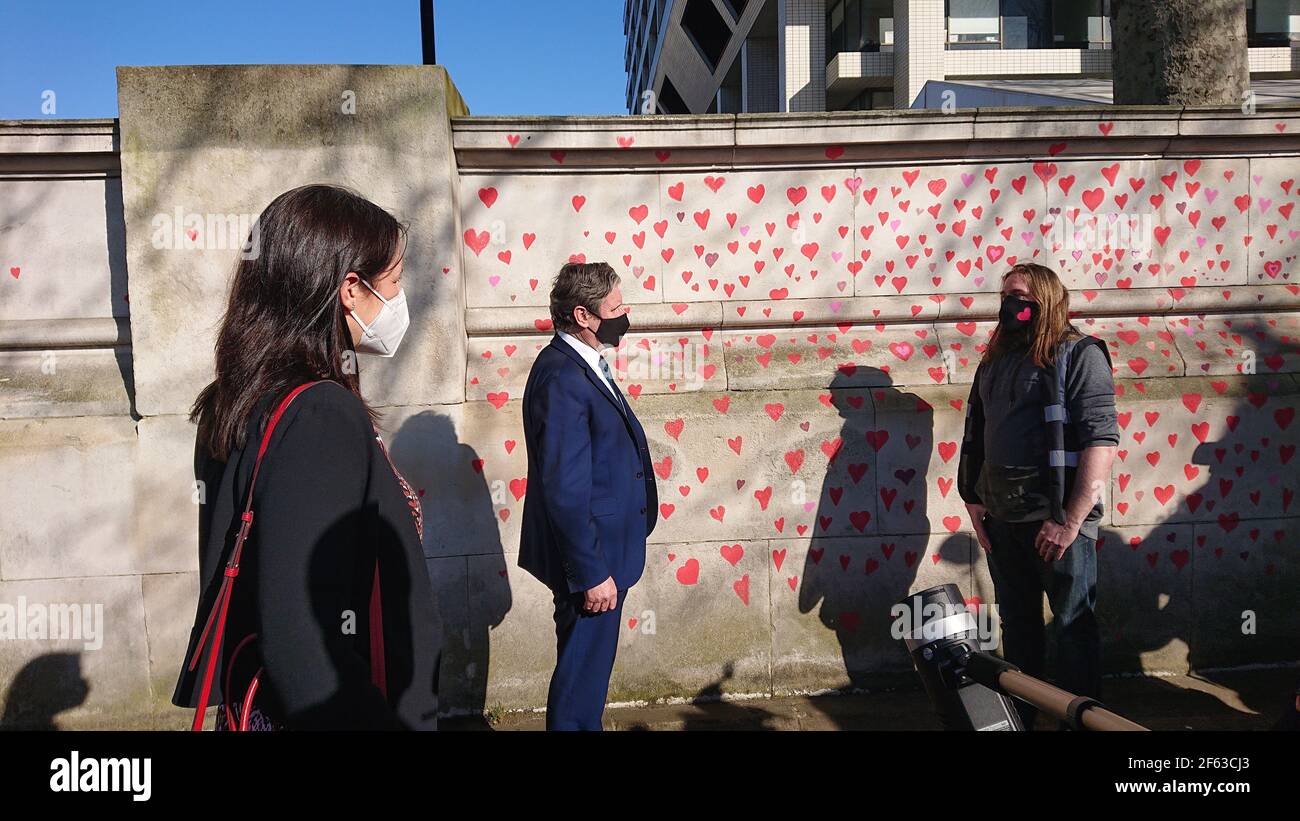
(589, 355)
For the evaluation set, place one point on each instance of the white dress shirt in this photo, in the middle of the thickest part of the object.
(591, 356)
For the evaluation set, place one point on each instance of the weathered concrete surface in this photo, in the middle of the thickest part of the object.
(62, 245)
(193, 143)
(46, 678)
(67, 490)
(65, 382)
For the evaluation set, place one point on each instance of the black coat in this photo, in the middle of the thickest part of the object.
(327, 504)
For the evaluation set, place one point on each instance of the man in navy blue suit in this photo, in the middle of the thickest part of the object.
(591, 499)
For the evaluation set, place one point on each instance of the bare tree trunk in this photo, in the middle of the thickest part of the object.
(1180, 52)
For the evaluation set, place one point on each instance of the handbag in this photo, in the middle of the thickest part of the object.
(215, 626)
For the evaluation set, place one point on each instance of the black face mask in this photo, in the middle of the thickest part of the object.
(611, 330)
(1016, 313)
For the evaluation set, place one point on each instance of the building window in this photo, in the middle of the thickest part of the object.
(974, 24)
(706, 28)
(1081, 23)
(859, 25)
(1029, 24)
(1026, 24)
(870, 99)
(1272, 23)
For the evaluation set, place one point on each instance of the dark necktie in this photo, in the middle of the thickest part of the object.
(604, 368)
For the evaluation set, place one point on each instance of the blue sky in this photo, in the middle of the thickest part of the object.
(506, 56)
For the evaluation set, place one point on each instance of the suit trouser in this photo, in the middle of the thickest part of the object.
(1020, 578)
(584, 658)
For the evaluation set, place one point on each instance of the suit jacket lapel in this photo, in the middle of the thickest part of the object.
(596, 381)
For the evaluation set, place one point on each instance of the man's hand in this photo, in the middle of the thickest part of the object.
(976, 513)
(1053, 539)
(602, 597)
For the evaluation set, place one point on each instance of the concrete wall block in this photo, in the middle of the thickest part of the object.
(1145, 607)
(1245, 582)
(1139, 346)
(193, 146)
(497, 365)
(461, 678)
(944, 229)
(757, 235)
(697, 624)
(1273, 226)
(67, 484)
(1141, 223)
(62, 248)
(1205, 449)
(443, 456)
(842, 312)
(861, 356)
(519, 230)
(165, 517)
(962, 344)
(99, 679)
(1238, 343)
(516, 613)
(65, 382)
(916, 465)
(170, 603)
(746, 466)
(488, 477)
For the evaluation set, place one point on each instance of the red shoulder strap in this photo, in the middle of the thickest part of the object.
(216, 623)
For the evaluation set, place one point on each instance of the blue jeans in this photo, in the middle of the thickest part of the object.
(1020, 578)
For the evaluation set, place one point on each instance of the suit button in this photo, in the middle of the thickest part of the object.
(638, 475)
(642, 511)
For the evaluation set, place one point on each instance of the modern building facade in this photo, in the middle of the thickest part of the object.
(730, 56)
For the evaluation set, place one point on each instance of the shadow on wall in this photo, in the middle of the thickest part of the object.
(1238, 570)
(1145, 604)
(460, 525)
(45, 687)
(115, 231)
(856, 580)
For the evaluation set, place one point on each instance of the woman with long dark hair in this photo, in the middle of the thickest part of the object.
(329, 620)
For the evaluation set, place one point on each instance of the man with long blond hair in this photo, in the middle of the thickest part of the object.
(1041, 433)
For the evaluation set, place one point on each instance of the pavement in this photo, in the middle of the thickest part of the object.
(1241, 699)
(1228, 700)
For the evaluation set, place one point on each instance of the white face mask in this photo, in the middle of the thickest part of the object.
(382, 336)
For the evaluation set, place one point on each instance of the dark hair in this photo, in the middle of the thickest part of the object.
(579, 283)
(284, 323)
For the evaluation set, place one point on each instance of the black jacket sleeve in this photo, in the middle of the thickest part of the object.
(308, 507)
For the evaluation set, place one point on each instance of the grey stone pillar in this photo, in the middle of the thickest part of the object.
(217, 142)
